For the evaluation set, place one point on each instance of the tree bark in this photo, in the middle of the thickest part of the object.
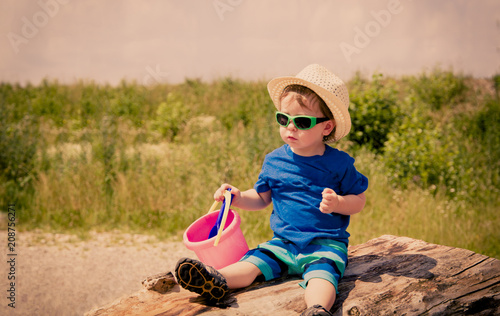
(386, 275)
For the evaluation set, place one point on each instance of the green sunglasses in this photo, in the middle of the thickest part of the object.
(303, 122)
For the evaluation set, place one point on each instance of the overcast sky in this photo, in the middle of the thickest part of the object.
(168, 41)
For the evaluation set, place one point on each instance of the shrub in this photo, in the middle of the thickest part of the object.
(91, 103)
(51, 100)
(422, 153)
(480, 150)
(496, 84)
(124, 102)
(439, 88)
(18, 145)
(172, 115)
(14, 101)
(374, 112)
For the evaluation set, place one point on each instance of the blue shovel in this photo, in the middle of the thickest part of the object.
(215, 228)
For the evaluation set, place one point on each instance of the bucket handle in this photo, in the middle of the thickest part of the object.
(227, 197)
(212, 208)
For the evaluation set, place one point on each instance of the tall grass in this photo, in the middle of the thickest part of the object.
(148, 159)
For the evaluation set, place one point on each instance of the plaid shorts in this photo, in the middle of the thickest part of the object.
(322, 258)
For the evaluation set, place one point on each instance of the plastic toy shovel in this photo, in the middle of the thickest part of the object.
(221, 219)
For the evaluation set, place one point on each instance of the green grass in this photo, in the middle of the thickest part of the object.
(148, 159)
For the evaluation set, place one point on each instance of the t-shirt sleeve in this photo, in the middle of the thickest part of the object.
(353, 182)
(262, 185)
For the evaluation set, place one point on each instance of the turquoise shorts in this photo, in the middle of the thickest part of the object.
(322, 258)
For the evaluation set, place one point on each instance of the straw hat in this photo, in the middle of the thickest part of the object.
(327, 86)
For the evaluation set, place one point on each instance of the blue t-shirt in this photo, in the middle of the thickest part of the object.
(296, 184)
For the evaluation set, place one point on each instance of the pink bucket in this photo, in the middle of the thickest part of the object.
(232, 244)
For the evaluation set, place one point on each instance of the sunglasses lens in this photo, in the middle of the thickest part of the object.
(302, 122)
(282, 119)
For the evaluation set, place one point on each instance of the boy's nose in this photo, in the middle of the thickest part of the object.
(291, 126)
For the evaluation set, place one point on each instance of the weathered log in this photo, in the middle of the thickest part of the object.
(386, 275)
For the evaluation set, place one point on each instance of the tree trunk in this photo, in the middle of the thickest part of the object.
(386, 275)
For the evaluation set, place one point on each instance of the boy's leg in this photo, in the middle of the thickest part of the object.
(197, 277)
(240, 274)
(323, 269)
(320, 292)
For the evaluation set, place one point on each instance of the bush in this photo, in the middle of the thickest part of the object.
(496, 84)
(172, 115)
(18, 145)
(51, 101)
(374, 112)
(422, 153)
(439, 88)
(480, 150)
(128, 100)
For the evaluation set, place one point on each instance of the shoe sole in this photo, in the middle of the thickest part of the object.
(193, 276)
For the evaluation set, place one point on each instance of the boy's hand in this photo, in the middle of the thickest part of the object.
(219, 194)
(330, 201)
(246, 200)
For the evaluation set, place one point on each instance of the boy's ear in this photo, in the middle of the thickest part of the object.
(329, 126)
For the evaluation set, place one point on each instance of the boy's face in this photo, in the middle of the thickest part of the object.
(304, 142)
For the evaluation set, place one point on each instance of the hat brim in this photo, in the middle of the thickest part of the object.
(339, 111)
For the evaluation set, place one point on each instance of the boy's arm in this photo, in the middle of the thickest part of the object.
(248, 200)
(253, 201)
(346, 205)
